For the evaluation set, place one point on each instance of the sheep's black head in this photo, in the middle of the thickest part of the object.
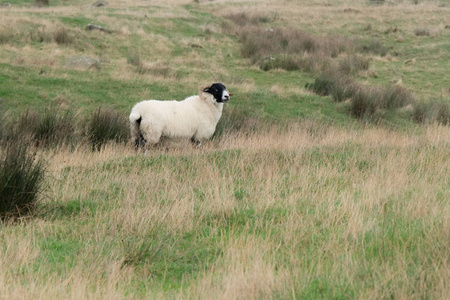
(219, 92)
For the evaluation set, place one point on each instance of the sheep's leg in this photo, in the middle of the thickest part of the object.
(196, 142)
(139, 142)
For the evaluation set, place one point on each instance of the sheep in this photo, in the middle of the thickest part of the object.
(195, 117)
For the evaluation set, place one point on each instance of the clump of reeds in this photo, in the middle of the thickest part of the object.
(21, 178)
(105, 125)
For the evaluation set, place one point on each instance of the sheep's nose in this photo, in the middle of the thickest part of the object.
(226, 97)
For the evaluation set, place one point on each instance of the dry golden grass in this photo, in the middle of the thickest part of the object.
(317, 195)
(386, 175)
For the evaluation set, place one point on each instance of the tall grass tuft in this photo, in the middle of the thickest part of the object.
(343, 89)
(134, 58)
(420, 112)
(62, 37)
(442, 113)
(20, 129)
(21, 177)
(352, 64)
(433, 112)
(362, 105)
(55, 127)
(374, 46)
(338, 86)
(322, 85)
(395, 97)
(106, 125)
(422, 31)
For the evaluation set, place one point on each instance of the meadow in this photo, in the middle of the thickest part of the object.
(328, 176)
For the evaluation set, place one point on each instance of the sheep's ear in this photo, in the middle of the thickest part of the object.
(231, 94)
(203, 89)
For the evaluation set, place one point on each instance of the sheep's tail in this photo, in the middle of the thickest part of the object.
(135, 128)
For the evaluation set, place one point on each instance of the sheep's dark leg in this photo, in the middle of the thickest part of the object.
(140, 142)
(196, 142)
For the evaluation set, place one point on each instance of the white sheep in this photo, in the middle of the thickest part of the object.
(195, 117)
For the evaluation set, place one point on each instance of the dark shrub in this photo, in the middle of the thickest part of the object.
(442, 113)
(422, 31)
(373, 47)
(106, 125)
(352, 64)
(38, 34)
(395, 97)
(343, 89)
(20, 129)
(438, 112)
(340, 87)
(21, 176)
(55, 127)
(134, 58)
(362, 105)
(62, 37)
(420, 112)
(322, 85)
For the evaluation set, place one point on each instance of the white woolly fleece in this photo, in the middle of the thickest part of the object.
(193, 118)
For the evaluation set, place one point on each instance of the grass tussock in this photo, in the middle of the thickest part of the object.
(422, 31)
(352, 64)
(19, 129)
(52, 127)
(21, 179)
(432, 112)
(134, 58)
(364, 100)
(55, 127)
(62, 37)
(105, 125)
(375, 47)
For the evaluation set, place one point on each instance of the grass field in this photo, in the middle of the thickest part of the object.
(294, 198)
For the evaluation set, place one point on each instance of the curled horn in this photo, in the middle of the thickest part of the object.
(200, 91)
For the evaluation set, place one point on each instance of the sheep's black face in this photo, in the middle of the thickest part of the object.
(219, 92)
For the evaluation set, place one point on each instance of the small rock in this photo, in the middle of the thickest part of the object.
(83, 63)
(447, 26)
(6, 4)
